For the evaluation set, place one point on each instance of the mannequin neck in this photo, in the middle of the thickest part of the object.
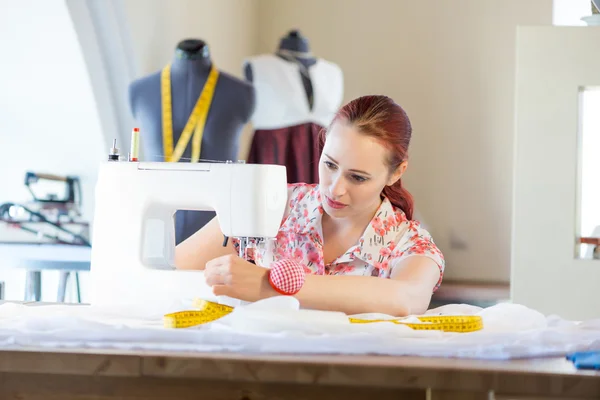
(191, 56)
(183, 63)
(296, 47)
(295, 44)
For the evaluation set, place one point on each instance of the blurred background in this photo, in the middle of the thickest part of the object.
(68, 65)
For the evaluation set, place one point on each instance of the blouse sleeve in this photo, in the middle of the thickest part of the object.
(418, 242)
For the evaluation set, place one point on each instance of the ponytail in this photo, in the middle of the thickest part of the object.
(400, 197)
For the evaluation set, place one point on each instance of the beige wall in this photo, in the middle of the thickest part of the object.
(228, 26)
(451, 65)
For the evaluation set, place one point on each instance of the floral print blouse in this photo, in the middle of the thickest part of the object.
(387, 240)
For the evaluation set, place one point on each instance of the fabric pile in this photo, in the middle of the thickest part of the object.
(277, 325)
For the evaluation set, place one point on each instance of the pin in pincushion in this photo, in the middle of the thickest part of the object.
(286, 277)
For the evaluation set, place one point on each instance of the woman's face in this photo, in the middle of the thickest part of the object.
(353, 172)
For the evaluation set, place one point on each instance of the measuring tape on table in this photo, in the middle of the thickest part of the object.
(207, 311)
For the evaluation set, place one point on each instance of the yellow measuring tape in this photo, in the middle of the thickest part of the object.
(196, 121)
(207, 311)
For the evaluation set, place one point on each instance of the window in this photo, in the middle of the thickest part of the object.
(588, 201)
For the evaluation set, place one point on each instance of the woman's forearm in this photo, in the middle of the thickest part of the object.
(355, 294)
(203, 246)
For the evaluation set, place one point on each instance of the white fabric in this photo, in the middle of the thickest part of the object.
(277, 326)
(280, 96)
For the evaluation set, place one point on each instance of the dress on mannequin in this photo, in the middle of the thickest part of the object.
(231, 108)
(297, 96)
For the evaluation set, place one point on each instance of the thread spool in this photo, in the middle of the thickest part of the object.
(135, 145)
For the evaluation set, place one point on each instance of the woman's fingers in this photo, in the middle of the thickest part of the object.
(218, 271)
(213, 279)
(217, 275)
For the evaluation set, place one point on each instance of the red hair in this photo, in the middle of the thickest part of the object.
(381, 118)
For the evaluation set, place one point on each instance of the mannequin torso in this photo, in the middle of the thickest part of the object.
(232, 106)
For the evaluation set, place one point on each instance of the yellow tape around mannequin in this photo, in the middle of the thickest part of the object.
(195, 123)
(207, 311)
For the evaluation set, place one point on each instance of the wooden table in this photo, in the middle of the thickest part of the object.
(85, 374)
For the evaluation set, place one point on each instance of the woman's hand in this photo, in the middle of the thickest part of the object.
(235, 277)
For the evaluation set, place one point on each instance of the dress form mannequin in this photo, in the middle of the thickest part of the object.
(296, 48)
(232, 106)
(297, 96)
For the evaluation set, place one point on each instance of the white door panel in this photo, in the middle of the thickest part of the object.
(554, 65)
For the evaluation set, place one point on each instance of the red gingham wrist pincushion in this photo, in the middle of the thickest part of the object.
(286, 277)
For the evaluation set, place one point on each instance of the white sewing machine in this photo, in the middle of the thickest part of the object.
(133, 236)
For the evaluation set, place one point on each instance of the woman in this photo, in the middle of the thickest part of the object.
(353, 233)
